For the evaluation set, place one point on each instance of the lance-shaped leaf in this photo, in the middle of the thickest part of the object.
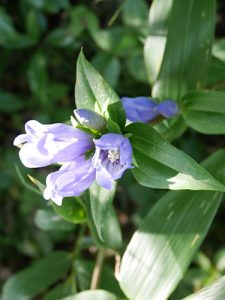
(91, 295)
(205, 111)
(215, 291)
(216, 74)
(161, 165)
(93, 92)
(35, 279)
(156, 41)
(102, 217)
(165, 243)
(188, 46)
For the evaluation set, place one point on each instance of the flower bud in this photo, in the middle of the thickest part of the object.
(90, 119)
(168, 108)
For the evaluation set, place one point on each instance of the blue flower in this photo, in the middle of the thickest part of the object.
(72, 179)
(167, 108)
(43, 145)
(113, 155)
(143, 109)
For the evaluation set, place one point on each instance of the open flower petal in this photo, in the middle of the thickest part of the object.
(71, 180)
(43, 145)
(113, 155)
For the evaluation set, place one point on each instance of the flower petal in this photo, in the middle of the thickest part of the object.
(140, 109)
(21, 139)
(103, 178)
(168, 108)
(70, 180)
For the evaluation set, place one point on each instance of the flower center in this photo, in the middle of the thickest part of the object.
(114, 155)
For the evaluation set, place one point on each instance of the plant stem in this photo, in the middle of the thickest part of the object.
(98, 269)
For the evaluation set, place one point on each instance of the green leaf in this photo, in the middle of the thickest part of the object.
(53, 6)
(72, 210)
(171, 129)
(9, 37)
(36, 23)
(124, 39)
(102, 217)
(10, 102)
(216, 74)
(185, 63)
(136, 67)
(38, 277)
(135, 13)
(81, 18)
(100, 199)
(215, 291)
(60, 37)
(93, 92)
(156, 41)
(59, 291)
(161, 165)
(91, 295)
(49, 221)
(108, 66)
(218, 49)
(165, 243)
(205, 111)
(38, 77)
(219, 260)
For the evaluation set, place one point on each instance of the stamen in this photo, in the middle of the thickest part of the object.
(114, 155)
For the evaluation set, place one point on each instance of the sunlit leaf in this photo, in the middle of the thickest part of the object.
(188, 47)
(164, 244)
(93, 92)
(91, 295)
(215, 291)
(161, 165)
(156, 41)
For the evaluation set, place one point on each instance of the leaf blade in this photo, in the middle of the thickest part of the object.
(162, 161)
(185, 63)
(163, 246)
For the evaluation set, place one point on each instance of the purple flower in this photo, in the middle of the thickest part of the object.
(113, 155)
(47, 144)
(168, 108)
(139, 109)
(43, 145)
(71, 180)
(143, 109)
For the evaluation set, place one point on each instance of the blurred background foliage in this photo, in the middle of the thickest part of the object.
(40, 41)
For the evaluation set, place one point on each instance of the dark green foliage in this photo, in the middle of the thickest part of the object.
(49, 251)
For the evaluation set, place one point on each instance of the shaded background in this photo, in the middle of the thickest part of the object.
(40, 41)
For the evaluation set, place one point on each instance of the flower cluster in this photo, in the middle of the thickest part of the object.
(43, 145)
(83, 158)
(145, 110)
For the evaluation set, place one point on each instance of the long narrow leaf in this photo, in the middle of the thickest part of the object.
(156, 41)
(216, 291)
(187, 53)
(163, 246)
(161, 165)
(205, 111)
